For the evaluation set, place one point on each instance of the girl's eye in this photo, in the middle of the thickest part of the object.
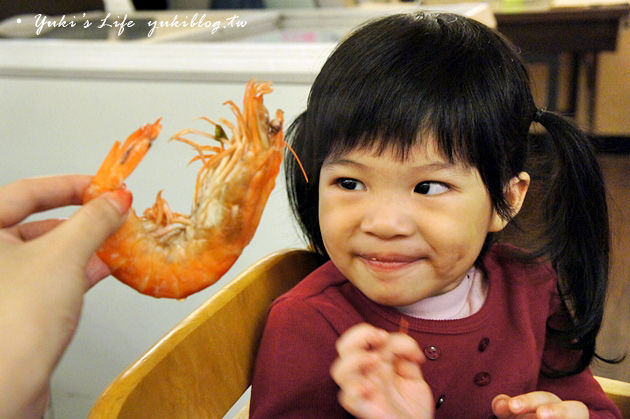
(430, 188)
(350, 184)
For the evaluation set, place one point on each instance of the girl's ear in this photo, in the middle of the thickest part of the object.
(515, 194)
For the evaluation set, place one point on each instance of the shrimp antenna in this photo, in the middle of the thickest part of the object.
(297, 159)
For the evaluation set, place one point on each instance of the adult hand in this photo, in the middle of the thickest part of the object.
(45, 268)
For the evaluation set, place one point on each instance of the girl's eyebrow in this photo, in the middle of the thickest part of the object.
(342, 162)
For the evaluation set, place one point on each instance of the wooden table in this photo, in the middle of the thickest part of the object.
(583, 32)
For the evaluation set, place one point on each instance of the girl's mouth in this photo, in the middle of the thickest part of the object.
(387, 263)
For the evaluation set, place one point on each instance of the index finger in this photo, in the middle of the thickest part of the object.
(405, 347)
(27, 196)
(361, 337)
(523, 403)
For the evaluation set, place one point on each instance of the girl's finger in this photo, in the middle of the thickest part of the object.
(529, 402)
(500, 406)
(353, 366)
(353, 400)
(505, 406)
(361, 337)
(408, 369)
(364, 397)
(405, 355)
(563, 410)
(404, 347)
(359, 390)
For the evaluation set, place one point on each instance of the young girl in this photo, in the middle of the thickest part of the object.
(415, 141)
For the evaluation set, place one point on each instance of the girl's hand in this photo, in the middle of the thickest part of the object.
(538, 404)
(379, 375)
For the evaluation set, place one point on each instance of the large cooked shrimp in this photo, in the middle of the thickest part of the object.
(167, 254)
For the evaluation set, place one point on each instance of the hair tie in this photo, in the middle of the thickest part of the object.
(538, 114)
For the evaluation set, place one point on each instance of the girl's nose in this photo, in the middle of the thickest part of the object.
(387, 219)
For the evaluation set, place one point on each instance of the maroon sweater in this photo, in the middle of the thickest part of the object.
(497, 350)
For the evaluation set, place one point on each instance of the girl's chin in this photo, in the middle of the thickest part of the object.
(387, 298)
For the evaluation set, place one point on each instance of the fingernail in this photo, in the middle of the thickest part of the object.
(121, 198)
(545, 413)
(502, 404)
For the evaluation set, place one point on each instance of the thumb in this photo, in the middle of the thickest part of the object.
(84, 232)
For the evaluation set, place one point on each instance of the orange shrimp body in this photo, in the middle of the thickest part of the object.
(167, 254)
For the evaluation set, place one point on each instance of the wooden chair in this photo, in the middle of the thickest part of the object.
(203, 366)
(619, 392)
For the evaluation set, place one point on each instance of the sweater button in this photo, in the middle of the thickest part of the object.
(432, 352)
(440, 401)
(482, 379)
(483, 344)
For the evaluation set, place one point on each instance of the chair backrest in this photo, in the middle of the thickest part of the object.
(619, 392)
(203, 366)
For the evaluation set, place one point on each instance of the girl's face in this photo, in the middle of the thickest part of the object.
(402, 231)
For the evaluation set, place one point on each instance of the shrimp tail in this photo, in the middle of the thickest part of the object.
(121, 160)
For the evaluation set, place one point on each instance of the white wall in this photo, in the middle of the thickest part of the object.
(62, 125)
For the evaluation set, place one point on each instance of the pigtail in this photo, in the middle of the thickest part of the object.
(576, 235)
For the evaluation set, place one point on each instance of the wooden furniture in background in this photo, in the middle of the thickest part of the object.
(543, 33)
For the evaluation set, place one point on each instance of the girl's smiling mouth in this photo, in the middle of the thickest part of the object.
(388, 262)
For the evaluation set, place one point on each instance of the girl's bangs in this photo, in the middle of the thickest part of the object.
(393, 117)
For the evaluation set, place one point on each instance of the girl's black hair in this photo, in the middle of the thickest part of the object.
(403, 78)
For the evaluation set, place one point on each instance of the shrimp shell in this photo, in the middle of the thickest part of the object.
(167, 254)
